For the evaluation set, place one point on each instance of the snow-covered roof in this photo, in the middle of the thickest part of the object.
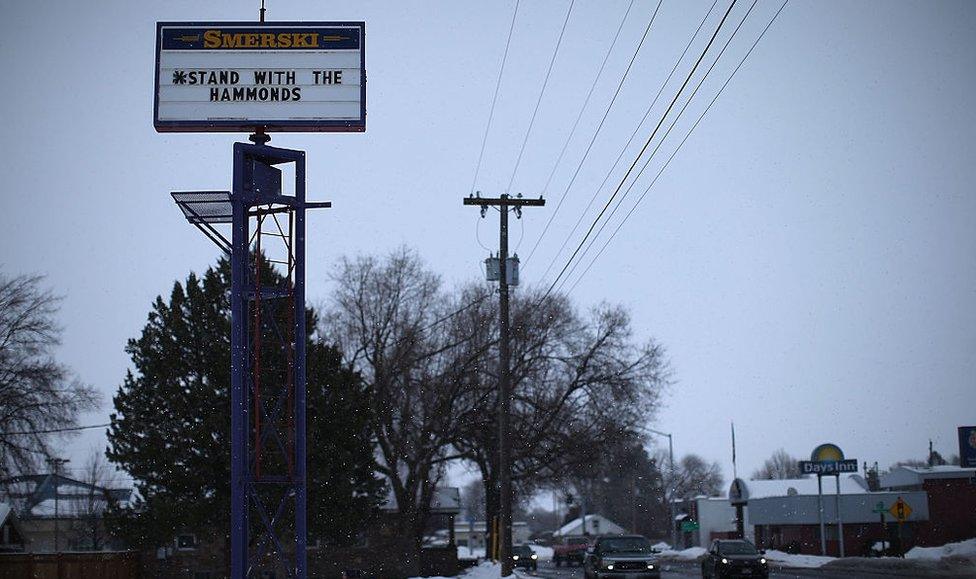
(33, 496)
(480, 526)
(908, 476)
(446, 500)
(743, 490)
(595, 525)
(7, 514)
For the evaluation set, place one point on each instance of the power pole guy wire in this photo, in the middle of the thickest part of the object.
(623, 150)
(494, 98)
(616, 92)
(678, 148)
(657, 147)
(644, 148)
(572, 131)
(545, 83)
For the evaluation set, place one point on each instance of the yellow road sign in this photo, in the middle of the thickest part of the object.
(900, 510)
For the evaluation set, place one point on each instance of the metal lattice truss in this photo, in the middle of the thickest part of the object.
(266, 250)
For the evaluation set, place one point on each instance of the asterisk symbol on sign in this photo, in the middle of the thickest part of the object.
(179, 77)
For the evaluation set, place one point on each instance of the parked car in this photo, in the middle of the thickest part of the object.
(734, 558)
(524, 556)
(572, 550)
(620, 557)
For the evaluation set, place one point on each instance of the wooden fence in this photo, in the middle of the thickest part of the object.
(92, 565)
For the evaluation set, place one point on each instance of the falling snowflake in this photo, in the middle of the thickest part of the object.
(179, 77)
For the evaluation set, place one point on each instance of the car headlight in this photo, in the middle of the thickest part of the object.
(534, 556)
(725, 561)
(515, 557)
(762, 560)
(610, 567)
(650, 565)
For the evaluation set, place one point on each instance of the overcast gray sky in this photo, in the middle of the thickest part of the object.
(807, 258)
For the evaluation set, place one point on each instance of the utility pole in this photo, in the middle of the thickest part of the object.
(57, 465)
(674, 530)
(503, 202)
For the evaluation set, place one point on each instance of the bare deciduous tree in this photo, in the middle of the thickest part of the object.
(384, 317)
(473, 501)
(88, 527)
(693, 476)
(779, 466)
(430, 358)
(580, 384)
(38, 396)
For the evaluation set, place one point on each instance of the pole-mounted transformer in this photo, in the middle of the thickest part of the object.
(493, 269)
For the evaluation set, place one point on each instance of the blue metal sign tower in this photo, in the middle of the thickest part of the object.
(267, 253)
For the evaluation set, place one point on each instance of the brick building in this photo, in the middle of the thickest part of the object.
(785, 514)
(951, 493)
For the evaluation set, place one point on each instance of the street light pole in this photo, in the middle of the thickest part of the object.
(57, 464)
(674, 530)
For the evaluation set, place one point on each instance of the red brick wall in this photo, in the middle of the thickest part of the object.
(952, 511)
(858, 537)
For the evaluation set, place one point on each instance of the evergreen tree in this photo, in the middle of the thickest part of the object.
(171, 425)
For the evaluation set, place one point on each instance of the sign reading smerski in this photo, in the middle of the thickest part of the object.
(282, 76)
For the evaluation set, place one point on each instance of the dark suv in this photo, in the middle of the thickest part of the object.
(620, 557)
(734, 558)
(524, 556)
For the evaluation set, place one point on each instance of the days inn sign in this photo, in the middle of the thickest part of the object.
(281, 76)
(827, 459)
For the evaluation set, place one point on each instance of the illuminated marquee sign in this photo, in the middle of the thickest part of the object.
(282, 76)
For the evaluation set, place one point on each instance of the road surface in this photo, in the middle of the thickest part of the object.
(549, 571)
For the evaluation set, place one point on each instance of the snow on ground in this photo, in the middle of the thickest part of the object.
(544, 553)
(689, 554)
(791, 560)
(486, 570)
(961, 550)
(468, 553)
(661, 547)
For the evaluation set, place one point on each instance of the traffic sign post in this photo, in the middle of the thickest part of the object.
(881, 510)
(689, 526)
(900, 511)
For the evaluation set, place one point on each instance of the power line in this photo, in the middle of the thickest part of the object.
(54, 430)
(616, 92)
(545, 83)
(494, 98)
(644, 148)
(596, 191)
(456, 312)
(700, 117)
(664, 137)
(572, 131)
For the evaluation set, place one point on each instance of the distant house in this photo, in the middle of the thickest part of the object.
(474, 535)
(11, 535)
(59, 513)
(595, 525)
(700, 520)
